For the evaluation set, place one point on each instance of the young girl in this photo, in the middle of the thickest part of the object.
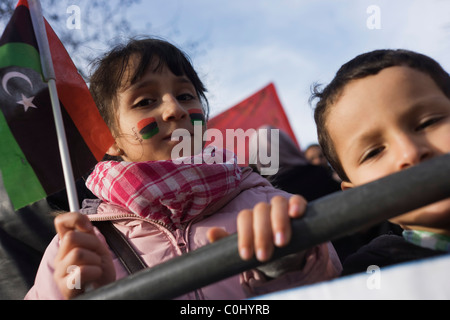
(145, 91)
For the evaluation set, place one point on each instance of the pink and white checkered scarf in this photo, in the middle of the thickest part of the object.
(170, 192)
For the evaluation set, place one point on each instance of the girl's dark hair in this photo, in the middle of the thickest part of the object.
(108, 77)
(364, 65)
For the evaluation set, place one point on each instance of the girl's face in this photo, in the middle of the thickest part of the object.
(388, 122)
(149, 111)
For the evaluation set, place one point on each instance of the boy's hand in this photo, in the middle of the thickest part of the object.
(263, 227)
(81, 248)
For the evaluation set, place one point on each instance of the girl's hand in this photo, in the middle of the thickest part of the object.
(82, 251)
(265, 226)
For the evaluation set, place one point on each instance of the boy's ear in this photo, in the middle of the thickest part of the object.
(346, 185)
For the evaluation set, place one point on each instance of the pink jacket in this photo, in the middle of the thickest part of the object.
(157, 244)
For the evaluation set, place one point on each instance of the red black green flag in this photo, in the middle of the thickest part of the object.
(29, 154)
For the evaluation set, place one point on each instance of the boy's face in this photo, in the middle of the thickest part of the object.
(387, 122)
(148, 113)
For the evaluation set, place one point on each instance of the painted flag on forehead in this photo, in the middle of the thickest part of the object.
(29, 154)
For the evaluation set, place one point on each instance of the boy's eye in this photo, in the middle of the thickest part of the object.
(427, 123)
(371, 154)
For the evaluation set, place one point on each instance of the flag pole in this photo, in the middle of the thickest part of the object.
(48, 73)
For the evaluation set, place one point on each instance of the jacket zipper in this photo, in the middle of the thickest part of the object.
(95, 217)
(184, 227)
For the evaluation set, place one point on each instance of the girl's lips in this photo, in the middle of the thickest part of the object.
(176, 138)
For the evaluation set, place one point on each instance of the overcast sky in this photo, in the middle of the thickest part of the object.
(245, 44)
(240, 46)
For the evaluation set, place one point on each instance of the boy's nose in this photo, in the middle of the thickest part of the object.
(412, 151)
(172, 110)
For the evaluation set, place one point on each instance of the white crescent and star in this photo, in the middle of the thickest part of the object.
(27, 102)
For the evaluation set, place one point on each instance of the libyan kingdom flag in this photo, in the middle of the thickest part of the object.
(30, 162)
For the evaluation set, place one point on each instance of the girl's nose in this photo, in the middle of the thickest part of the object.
(412, 151)
(172, 110)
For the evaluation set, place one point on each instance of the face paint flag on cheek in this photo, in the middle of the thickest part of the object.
(148, 128)
(197, 115)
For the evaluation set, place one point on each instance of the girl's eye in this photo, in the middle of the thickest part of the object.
(371, 154)
(185, 97)
(143, 103)
(427, 123)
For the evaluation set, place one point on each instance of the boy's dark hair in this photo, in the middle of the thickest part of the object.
(109, 73)
(363, 65)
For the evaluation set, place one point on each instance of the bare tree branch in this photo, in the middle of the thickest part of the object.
(103, 23)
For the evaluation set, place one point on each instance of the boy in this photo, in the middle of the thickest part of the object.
(383, 112)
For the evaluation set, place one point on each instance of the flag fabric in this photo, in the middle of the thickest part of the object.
(29, 154)
(260, 109)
